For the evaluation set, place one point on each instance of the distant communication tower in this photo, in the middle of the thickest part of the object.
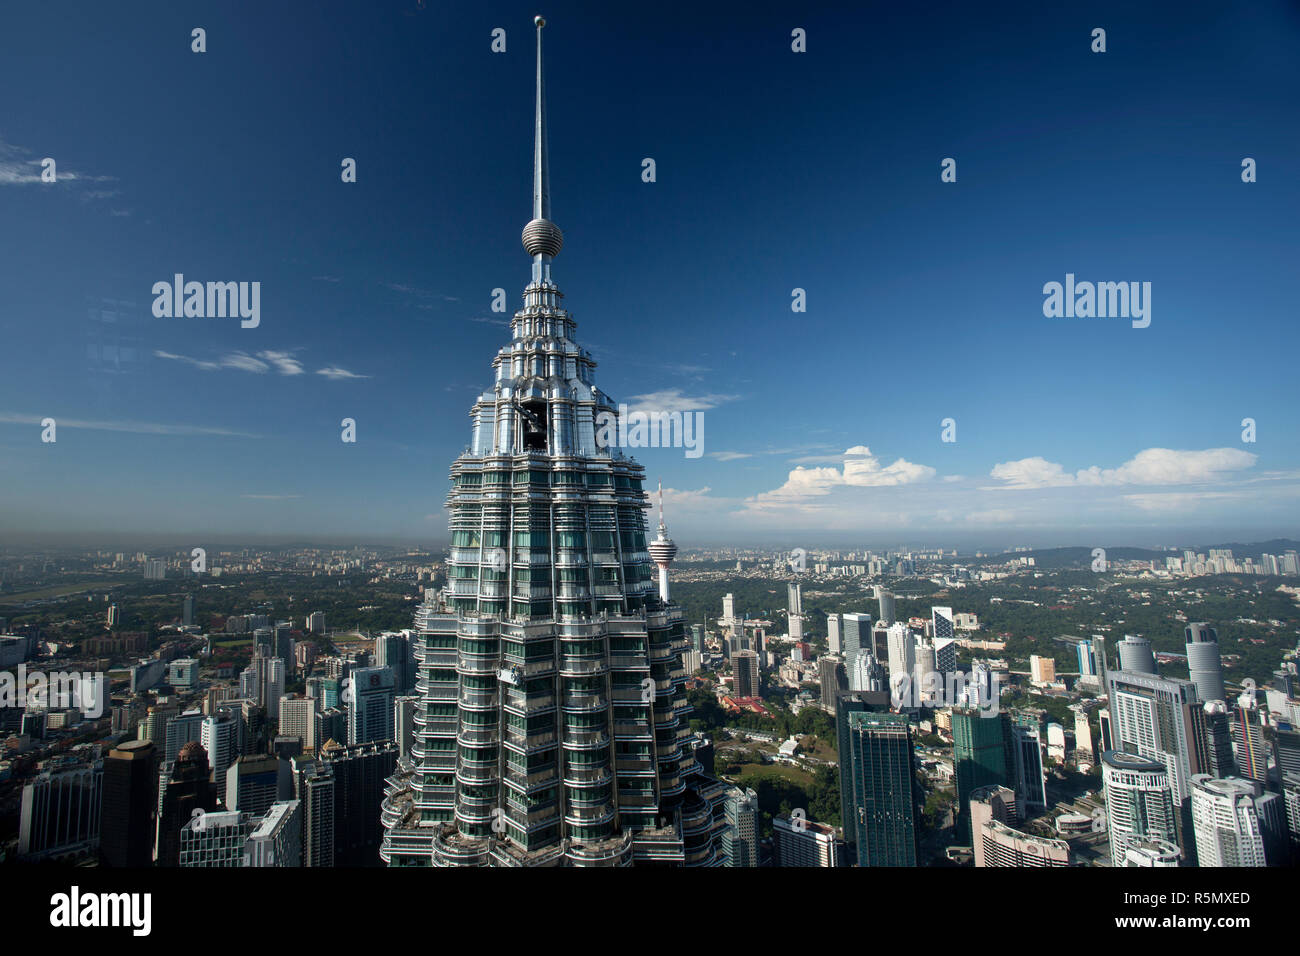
(662, 549)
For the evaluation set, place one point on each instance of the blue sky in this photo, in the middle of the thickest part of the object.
(775, 170)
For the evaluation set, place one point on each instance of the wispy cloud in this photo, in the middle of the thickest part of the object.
(417, 292)
(139, 428)
(19, 166)
(263, 362)
(334, 373)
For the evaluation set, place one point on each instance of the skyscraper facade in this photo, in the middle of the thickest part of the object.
(979, 759)
(554, 731)
(877, 772)
(739, 843)
(1139, 801)
(1204, 662)
(1227, 821)
(1163, 719)
(127, 815)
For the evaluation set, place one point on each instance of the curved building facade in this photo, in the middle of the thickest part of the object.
(1204, 661)
(1139, 802)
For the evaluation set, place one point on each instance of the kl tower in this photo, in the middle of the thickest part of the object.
(662, 549)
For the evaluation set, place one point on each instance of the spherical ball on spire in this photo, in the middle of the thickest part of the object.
(543, 237)
(539, 21)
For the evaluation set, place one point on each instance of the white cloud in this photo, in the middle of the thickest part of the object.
(861, 469)
(1154, 466)
(674, 400)
(729, 455)
(284, 362)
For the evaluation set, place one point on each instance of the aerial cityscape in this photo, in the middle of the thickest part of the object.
(1053, 620)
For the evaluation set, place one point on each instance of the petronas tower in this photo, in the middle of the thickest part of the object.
(552, 725)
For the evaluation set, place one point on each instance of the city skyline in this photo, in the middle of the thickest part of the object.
(1065, 435)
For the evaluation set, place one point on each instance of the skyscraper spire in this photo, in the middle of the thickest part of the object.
(550, 640)
(542, 238)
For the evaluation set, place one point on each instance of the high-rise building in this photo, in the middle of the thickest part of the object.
(744, 668)
(179, 731)
(1042, 670)
(794, 599)
(113, 616)
(130, 800)
(834, 635)
(370, 711)
(567, 743)
(802, 842)
(978, 757)
(187, 610)
(1139, 801)
(314, 789)
(273, 690)
(360, 773)
(1204, 662)
(941, 623)
(887, 612)
(902, 652)
(1099, 659)
(868, 674)
(1082, 735)
(1218, 740)
(219, 737)
(1105, 730)
(1002, 845)
(1087, 663)
(60, 813)
(186, 791)
(832, 679)
(1135, 655)
(298, 718)
(316, 622)
(1252, 755)
(1286, 751)
(404, 711)
(1025, 742)
(879, 788)
(393, 650)
(1163, 719)
(857, 638)
(253, 784)
(927, 682)
(1231, 817)
(276, 837)
(739, 842)
(987, 804)
(215, 839)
